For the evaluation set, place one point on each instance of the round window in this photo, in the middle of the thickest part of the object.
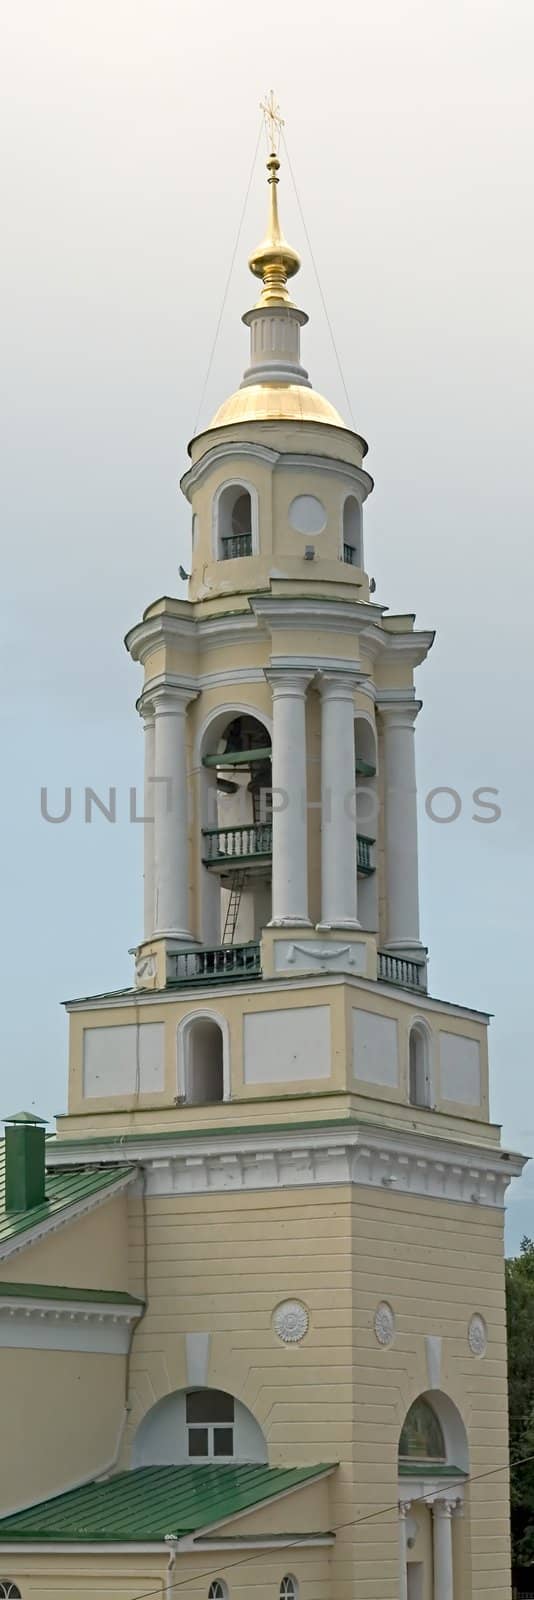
(307, 514)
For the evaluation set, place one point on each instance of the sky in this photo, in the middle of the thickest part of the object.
(127, 140)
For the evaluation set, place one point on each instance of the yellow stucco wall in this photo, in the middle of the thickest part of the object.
(224, 1266)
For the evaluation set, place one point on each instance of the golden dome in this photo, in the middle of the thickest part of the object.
(276, 402)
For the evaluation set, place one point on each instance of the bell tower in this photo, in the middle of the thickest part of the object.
(278, 703)
(317, 1190)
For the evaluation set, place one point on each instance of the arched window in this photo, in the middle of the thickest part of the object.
(234, 522)
(218, 1590)
(8, 1590)
(352, 528)
(197, 1426)
(289, 1587)
(203, 1062)
(419, 1066)
(422, 1435)
(210, 1415)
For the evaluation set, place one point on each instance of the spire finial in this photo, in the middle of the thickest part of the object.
(274, 122)
(274, 261)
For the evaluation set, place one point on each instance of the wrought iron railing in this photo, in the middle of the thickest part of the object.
(225, 961)
(364, 847)
(350, 555)
(242, 842)
(398, 969)
(236, 544)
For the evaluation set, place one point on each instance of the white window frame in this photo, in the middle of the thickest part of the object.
(249, 488)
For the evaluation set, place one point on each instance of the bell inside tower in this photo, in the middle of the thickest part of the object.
(237, 840)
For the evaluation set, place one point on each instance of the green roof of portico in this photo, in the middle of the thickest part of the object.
(66, 1189)
(151, 1502)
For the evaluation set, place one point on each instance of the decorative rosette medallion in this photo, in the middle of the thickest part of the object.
(291, 1321)
(384, 1323)
(477, 1335)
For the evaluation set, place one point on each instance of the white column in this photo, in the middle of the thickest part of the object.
(442, 1546)
(170, 810)
(148, 820)
(400, 808)
(339, 878)
(404, 1507)
(289, 781)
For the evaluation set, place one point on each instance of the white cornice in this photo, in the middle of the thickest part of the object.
(130, 1547)
(303, 611)
(370, 1156)
(59, 1219)
(276, 459)
(263, 986)
(42, 1324)
(225, 452)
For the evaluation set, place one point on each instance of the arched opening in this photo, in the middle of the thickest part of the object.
(203, 1064)
(365, 763)
(198, 1425)
(433, 1462)
(422, 1435)
(352, 531)
(289, 1588)
(237, 828)
(234, 522)
(419, 1076)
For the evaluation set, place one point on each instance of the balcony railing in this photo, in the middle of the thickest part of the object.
(350, 555)
(245, 842)
(397, 969)
(364, 847)
(225, 962)
(236, 544)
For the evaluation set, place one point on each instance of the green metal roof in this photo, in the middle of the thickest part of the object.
(150, 1502)
(57, 1291)
(429, 1469)
(64, 1189)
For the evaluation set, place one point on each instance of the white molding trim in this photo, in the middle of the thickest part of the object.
(84, 1325)
(373, 1157)
(413, 998)
(31, 1236)
(275, 459)
(225, 452)
(133, 1547)
(427, 1489)
(335, 616)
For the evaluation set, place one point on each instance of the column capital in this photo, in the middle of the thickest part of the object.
(171, 699)
(404, 1507)
(443, 1505)
(288, 681)
(397, 713)
(340, 685)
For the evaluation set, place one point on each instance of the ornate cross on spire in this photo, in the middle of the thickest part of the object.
(274, 122)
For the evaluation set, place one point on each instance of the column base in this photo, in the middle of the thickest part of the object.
(290, 922)
(408, 949)
(349, 925)
(178, 935)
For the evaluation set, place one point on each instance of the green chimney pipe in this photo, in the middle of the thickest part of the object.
(24, 1161)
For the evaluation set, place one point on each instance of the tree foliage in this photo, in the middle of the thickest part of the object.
(520, 1321)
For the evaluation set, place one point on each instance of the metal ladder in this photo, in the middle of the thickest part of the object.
(232, 908)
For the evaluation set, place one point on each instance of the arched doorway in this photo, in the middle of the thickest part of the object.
(432, 1465)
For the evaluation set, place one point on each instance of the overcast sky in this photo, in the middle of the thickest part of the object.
(128, 133)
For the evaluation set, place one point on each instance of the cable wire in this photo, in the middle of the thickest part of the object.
(228, 280)
(318, 281)
(291, 1544)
